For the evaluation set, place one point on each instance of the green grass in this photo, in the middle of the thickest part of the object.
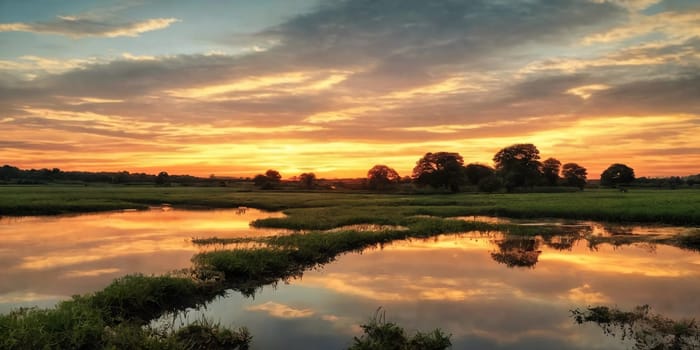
(378, 334)
(118, 317)
(331, 209)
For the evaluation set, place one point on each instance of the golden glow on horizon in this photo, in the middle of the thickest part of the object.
(218, 152)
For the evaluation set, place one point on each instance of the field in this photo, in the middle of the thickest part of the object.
(330, 209)
(116, 316)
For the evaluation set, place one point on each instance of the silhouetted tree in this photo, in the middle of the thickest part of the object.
(617, 174)
(550, 170)
(381, 177)
(163, 178)
(490, 184)
(8, 172)
(268, 181)
(476, 172)
(307, 180)
(441, 169)
(574, 175)
(519, 165)
(273, 175)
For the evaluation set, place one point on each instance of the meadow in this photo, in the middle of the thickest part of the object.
(118, 316)
(316, 210)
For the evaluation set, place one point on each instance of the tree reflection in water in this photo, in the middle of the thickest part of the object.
(649, 331)
(517, 252)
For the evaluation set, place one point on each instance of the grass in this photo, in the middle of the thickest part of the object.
(118, 317)
(658, 206)
(378, 334)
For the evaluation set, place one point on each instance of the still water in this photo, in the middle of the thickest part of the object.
(490, 291)
(49, 258)
(456, 283)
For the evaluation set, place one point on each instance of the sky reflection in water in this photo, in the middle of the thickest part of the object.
(489, 291)
(46, 259)
(453, 282)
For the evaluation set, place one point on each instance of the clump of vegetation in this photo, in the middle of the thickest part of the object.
(382, 335)
(647, 330)
(688, 241)
(140, 299)
(115, 317)
(204, 334)
(270, 180)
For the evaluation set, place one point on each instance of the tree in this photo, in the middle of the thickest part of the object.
(381, 176)
(550, 170)
(307, 180)
(617, 174)
(8, 172)
(574, 175)
(476, 172)
(490, 184)
(268, 181)
(273, 175)
(163, 178)
(441, 169)
(519, 165)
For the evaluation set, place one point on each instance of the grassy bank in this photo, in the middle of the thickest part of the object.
(659, 206)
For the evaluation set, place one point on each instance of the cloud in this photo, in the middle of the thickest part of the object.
(281, 311)
(674, 25)
(376, 81)
(80, 27)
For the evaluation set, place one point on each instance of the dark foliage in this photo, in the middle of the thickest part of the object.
(382, 177)
(519, 165)
(550, 171)
(476, 172)
(307, 180)
(439, 170)
(617, 174)
(574, 175)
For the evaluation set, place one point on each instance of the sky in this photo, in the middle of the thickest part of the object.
(233, 88)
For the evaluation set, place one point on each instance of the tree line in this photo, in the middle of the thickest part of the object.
(14, 175)
(514, 167)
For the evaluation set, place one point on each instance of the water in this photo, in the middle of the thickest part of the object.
(489, 291)
(50, 258)
(456, 283)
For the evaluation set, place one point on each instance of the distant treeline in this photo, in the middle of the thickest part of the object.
(13, 175)
(515, 168)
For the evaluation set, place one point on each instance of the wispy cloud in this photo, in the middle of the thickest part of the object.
(79, 27)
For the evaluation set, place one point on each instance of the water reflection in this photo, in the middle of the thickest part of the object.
(46, 259)
(593, 227)
(452, 282)
(517, 252)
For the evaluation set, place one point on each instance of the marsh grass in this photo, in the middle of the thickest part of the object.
(378, 334)
(660, 206)
(118, 317)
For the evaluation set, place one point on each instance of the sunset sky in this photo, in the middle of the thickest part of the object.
(334, 87)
